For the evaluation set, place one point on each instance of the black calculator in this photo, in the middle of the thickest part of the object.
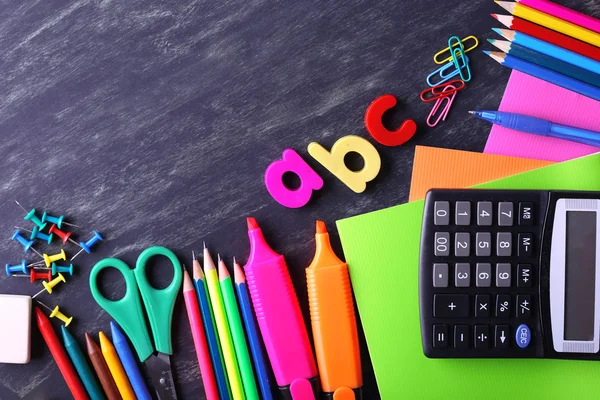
(510, 273)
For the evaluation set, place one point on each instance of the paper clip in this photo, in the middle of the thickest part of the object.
(449, 100)
(449, 58)
(436, 94)
(440, 72)
(459, 52)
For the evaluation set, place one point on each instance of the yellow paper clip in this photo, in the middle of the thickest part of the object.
(447, 49)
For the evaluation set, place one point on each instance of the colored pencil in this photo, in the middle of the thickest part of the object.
(550, 50)
(549, 36)
(130, 363)
(102, 371)
(564, 13)
(237, 333)
(546, 74)
(263, 373)
(216, 355)
(551, 22)
(81, 365)
(195, 318)
(60, 356)
(116, 368)
(231, 365)
(547, 62)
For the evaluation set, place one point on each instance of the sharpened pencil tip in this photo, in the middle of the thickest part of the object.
(471, 112)
(218, 257)
(487, 52)
(494, 15)
(234, 260)
(491, 40)
(193, 255)
(204, 245)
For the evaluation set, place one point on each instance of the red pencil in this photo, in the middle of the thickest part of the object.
(197, 327)
(549, 35)
(60, 356)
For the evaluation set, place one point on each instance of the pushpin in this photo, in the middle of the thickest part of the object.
(22, 267)
(65, 236)
(87, 245)
(26, 243)
(48, 260)
(62, 268)
(36, 234)
(56, 220)
(56, 313)
(48, 286)
(35, 275)
(32, 217)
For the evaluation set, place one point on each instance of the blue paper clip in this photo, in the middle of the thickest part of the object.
(460, 50)
(440, 72)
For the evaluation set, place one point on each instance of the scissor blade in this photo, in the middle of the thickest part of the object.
(159, 369)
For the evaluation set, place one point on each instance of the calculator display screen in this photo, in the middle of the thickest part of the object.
(580, 275)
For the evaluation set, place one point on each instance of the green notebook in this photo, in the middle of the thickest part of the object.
(382, 251)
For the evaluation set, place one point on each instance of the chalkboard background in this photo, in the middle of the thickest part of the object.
(153, 122)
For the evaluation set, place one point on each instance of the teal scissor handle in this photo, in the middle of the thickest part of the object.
(159, 302)
(127, 311)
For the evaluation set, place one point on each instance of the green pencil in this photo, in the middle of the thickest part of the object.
(239, 339)
(83, 369)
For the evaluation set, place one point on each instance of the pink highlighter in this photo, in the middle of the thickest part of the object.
(280, 320)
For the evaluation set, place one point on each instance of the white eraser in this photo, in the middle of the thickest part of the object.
(15, 329)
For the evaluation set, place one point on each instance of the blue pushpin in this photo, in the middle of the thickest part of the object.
(56, 220)
(36, 234)
(17, 268)
(62, 268)
(87, 245)
(26, 243)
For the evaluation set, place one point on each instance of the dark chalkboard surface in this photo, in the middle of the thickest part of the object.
(153, 122)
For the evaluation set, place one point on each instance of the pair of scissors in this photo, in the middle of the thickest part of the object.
(129, 314)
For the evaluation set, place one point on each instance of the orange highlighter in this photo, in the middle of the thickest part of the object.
(333, 322)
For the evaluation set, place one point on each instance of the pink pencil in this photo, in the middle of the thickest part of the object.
(563, 13)
(193, 312)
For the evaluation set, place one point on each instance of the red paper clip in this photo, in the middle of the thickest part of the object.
(456, 85)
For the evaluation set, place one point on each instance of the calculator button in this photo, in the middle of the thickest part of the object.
(450, 305)
(442, 213)
(484, 213)
(484, 275)
(525, 245)
(504, 244)
(440, 275)
(442, 244)
(482, 337)
(503, 277)
(523, 336)
(503, 306)
(462, 247)
(483, 305)
(440, 336)
(483, 242)
(463, 213)
(524, 273)
(505, 213)
(526, 213)
(524, 306)
(461, 336)
(502, 336)
(462, 276)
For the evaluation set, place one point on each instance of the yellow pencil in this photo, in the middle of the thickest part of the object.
(216, 299)
(551, 22)
(115, 367)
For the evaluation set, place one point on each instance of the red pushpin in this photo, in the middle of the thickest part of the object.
(375, 127)
(35, 275)
(64, 236)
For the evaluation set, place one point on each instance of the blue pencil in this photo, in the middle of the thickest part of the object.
(545, 61)
(550, 49)
(546, 74)
(256, 346)
(216, 354)
(129, 363)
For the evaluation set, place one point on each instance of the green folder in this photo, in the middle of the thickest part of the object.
(382, 251)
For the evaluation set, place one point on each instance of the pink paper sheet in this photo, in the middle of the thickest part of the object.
(531, 96)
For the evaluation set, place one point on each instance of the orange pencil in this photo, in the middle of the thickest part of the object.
(333, 321)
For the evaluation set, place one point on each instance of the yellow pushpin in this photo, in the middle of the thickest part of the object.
(50, 259)
(48, 286)
(56, 313)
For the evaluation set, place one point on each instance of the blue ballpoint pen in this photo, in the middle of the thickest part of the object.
(538, 126)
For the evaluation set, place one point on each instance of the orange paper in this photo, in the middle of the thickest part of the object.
(445, 169)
